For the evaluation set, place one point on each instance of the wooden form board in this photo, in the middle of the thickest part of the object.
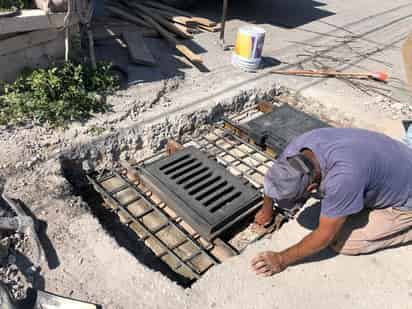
(139, 52)
(407, 56)
(30, 20)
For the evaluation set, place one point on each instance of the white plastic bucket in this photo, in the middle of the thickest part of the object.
(247, 54)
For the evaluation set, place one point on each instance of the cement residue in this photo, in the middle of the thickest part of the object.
(79, 250)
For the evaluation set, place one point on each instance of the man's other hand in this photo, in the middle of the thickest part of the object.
(268, 263)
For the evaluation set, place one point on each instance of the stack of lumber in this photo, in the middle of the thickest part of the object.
(169, 23)
(31, 39)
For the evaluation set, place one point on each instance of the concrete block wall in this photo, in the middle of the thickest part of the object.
(32, 40)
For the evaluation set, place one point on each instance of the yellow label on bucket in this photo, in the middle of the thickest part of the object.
(244, 45)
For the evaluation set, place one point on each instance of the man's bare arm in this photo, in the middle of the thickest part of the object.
(269, 263)
(314, 242)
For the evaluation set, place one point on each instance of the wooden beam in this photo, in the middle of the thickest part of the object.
(138, 50)
(199, 20)
(185, 51)
(116, 11)
(161, 6)
(30, 20)
(407, 57)
(161, 20)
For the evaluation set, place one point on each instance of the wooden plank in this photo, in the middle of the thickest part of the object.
(162, 21)
(189, 54)
(199, 20)
(110, 32)
(116, 11)
(209, 29)
(184, 20)
(204, 21)
(187, 30)
(26, 40)
(407, 56)
(161, 6)
(31, 20)
(185, 51)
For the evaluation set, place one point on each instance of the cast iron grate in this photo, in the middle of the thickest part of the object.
(201, 191)
(278, 128)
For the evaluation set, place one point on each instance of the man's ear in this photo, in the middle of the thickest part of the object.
(312, 187)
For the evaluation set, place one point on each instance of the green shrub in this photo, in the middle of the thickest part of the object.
(8, 4)
(71, 92)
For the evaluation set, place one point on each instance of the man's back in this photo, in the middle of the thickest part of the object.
(359, 168)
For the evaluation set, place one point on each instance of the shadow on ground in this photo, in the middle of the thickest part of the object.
(123, 235)
(281, 13)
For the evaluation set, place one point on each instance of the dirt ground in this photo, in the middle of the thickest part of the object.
(87, 260)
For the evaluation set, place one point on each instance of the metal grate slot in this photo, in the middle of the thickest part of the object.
(200, 177)
(218, 195)
(187, 170)
(210, 191)
(174, 162)
(225, 202)
(203, 185)
(177, 167)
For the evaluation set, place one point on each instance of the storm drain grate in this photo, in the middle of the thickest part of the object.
(201, 191)
(278, 128)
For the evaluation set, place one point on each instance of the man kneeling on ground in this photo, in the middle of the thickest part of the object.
(365, 183)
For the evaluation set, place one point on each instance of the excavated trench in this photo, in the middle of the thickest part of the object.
(124, 236)
(75, 169)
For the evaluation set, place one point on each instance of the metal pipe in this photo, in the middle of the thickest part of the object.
(223, 23)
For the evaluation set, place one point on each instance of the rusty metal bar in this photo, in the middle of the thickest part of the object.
(142, 226)
(168, 218)
(223, 23)
(233, 156)
(226, 132)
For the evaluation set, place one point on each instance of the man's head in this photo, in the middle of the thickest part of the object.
(289, 180)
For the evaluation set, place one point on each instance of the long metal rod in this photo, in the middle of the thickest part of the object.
(234, 164)
(227, 132)
(141, 225)
(166, 217)
(223, 23)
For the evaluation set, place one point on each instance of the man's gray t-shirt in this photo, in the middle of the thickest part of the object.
(359, 168)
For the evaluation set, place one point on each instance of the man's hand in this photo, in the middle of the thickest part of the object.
(265, 215)
(268, 263)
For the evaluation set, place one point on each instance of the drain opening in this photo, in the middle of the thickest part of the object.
(193, 192)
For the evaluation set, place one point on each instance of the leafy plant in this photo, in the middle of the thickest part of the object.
(71, 92)
(96, 131)
(6, 5)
